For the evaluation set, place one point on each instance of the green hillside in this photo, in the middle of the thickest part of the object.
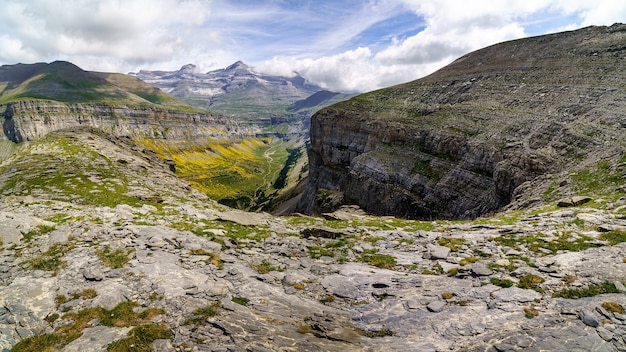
(65, 82)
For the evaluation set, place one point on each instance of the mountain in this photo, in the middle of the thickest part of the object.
(239, 92)
(65, 82)
(518, 123)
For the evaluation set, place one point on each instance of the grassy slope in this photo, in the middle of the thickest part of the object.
(66, 82)
(240, 174)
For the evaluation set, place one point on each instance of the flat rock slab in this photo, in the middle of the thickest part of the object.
(516, 294)
(244, 218)
(573, 201)
(339, 286)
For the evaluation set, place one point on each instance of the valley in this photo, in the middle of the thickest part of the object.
(481, 208)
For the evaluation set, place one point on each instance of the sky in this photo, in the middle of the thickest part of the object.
(341, 45)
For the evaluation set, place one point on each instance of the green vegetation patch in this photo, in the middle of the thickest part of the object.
(122, 315)
(40, 230)
(240, 300)
(539, 243)
(589, 291)
(265, 267)
(140, 338)
(501, 282)
(531, 281)
(67, 171)
(50, 260)
(614, 237)
(200, 315)
(114, 258)
(453, 243)
(383, 261)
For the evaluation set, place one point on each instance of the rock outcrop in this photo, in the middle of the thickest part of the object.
(27, 120)
(460, 142)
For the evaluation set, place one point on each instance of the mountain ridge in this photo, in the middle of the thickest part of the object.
(250, 97)
(462, 141)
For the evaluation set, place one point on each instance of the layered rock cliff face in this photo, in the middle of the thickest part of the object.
(28, 120)
(460, 142)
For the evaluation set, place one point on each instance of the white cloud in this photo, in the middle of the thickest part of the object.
(453, 28)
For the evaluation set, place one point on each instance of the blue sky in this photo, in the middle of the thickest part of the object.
(348, 45)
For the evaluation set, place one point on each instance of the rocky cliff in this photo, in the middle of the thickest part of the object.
(460, 142)
(27, 120)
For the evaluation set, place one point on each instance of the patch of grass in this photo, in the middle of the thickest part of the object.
(235, 173)
(451, 242)
(40, 230)
(566, 241)
(87, 293)
(200, 315)
(613, 237)
(530, 281)
(50, 260)
(60, 299)
(240, 300)
(530, 312)
(114, 259)
(501, 282)
(436, 269)
(140, 338)
(447, 295)
(383, 261)
(38, 343)
(316, 252)
(122, 315)
(468, 260)
(299, 286)
(265, 267)
(613, 307)
(452, 272)
(589, 291)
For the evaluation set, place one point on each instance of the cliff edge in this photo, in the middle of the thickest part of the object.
(505, 124)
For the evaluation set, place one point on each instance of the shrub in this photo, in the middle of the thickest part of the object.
(501, 282)
(530, 312)
(240, 300)
(530, 281)
(468, 260)
(447, 295)
(613, 307)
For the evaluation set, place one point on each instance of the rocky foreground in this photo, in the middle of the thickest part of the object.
(104, 248)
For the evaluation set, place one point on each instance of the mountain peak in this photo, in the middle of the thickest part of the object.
(238, 65)
(189, 68)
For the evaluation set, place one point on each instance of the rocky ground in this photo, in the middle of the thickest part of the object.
(103, 247)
